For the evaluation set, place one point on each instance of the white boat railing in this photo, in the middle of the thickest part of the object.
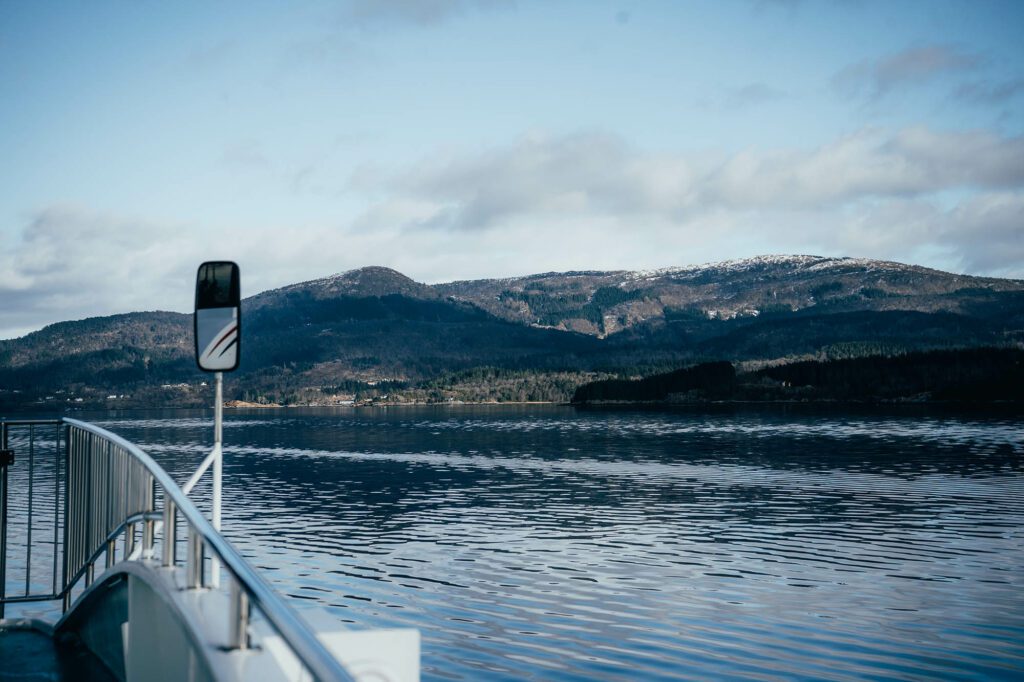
(113, 488)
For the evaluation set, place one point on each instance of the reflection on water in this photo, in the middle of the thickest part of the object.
(555, 543)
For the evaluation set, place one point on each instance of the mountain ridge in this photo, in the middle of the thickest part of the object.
(374, 324)
(718, 290)
(373, 280)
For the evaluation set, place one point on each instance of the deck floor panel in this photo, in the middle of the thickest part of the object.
(28, 655)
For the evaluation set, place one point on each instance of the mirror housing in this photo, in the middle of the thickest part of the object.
(217, 323)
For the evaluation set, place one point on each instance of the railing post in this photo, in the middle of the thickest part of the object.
(66, 563)
(169, 533)
(129, 539)
(56, 502)
(89, 512)
(239, 617)
(147, 525)
(110, 499)
(111, 551)
(195, 559)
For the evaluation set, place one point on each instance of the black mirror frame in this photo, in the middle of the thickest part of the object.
(235, 295)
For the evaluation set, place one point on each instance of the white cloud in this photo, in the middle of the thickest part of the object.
(584, 201)
(598, 174)
(560, 175)
(989, 231)
(901, 195)
(911, 162)
(71, 263)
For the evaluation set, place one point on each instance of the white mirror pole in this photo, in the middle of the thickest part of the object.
(217, 328)
(218, 433)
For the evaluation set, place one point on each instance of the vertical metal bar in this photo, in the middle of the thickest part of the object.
(170, 536)
(56, 501)
(195, 559)
(125, 483)
(81, 507)
(89, 521)
(111, 553)
(89, 460)
(70, 442)
(218, 464)
(31, 495)
(3, 520)
(108, 498)
(92, 507)
(239, 617)
(147, 525)
(85, 506)
(82, 503)
(129, 539)
(218, 408)
(105, 493)
(74, 520)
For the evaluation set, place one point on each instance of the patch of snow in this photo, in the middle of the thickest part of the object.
(802, 262)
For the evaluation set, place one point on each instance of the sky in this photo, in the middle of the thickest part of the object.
(462, 139)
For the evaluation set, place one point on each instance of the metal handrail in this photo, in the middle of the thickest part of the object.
(295, 632)
(110, 486)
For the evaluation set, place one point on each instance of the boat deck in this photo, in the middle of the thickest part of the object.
(30, 655)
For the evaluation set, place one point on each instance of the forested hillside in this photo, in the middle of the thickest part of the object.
(374, 333)
(970, 375)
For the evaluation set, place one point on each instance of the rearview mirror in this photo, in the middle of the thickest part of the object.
(218, 318)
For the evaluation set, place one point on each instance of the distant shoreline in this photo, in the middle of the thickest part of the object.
(639, 403)
(241, 404)
(995, 407)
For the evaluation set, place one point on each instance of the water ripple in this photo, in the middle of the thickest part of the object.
(550, 543)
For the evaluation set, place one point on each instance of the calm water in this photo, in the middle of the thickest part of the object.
(555, 543)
